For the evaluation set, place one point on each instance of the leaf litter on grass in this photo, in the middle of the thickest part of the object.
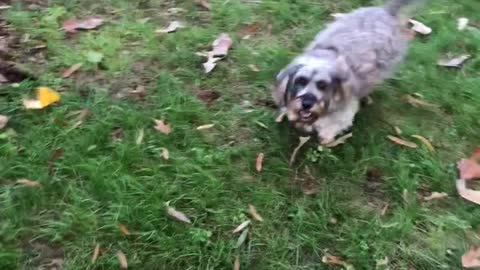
(122, 259)
(180, 216)
(259, 162)
(252, 210)
(242, 226)
(172, 27)
(161, 126)
(220, 48)
(72, 25)
(96, 253)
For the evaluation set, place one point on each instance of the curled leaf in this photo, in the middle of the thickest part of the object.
(72, 25)
(253, 212)
(124, 229)
(122, 259)
(455, 62)
(402, 142)
(419, 27)
(209, 126)
(259, 162)
(69, 72)
(303, 140)
(340, 140)
(466, 193)
(3, 121)
(242, 238)
(178, 215)
(29, 183)
(426, 142)
(471, 259)
(172, 27)
(435, 196)
(162, 127)
(221, 45)
(468, 169)
(241, 227)
(96, 253)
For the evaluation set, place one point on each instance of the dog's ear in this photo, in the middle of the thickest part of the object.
(283, 83)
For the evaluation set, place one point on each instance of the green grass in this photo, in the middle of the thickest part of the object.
(98, 184)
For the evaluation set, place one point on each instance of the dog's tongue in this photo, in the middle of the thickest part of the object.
(305, 114)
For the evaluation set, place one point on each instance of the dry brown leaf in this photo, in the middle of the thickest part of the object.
(340, 140)
(221, 45)
(332, 260)
(253, 212)
(178, 215)
(29, 183)
(124, 229)
(162, 127)
(165, 153)
(3, 121)
(72, 25)
(426, 142)
(69, 72)
(402, 142)
(415, 102)
(303, 140)
(208, 96)
(172, 27)
(259, 162)
(471, 259)
(420, 28)
(462, 24)
(203, 3)
(468, 169)
(436, 195)
(95, 254)
(122, 259)
(466, 193)
(209, 126)
(241, 227)
(236, 263)
(455, 62)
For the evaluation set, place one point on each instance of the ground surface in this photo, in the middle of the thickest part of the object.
(367, 205)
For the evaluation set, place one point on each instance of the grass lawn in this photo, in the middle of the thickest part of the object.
(367, 204)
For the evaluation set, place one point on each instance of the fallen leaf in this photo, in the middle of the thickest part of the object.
(210, 64)
(402, 142)
(3, 121)
(420, 27)
(426, 142)
(165, 153)
(208, 96)
(55, 155)
(253, 212)
(203, 3)
(69, 72)
(398, 130)
(162, 127)
(251, 29)
(236, 263)
(462, 23)
(254, 68)
(172, 27)
(241, 227)
(259, 162)
(455, 62)
(468, 194)
(340, 140)
(468, 169)
(221, 45)
(384, 209)
(417, 102)
(242, 238)
(94, 57)
(29, 183)
(303, 140)
(436, 195)
(122, 259)
(140, 135)
(178, 215)
(332, 260)
(96, 252)
(117, 134)
(205, 127)
(471, 258)
(72, 25)
(45, 97)
(124, 229)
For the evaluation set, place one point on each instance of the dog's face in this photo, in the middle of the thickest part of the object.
(309, 91)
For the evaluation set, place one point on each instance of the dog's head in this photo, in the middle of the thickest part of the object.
(310, 89)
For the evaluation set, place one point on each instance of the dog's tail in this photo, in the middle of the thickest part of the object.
(395, 6)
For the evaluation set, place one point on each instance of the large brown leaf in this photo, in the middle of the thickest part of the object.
(72, 25)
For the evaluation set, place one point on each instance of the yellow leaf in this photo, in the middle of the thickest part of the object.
(47, 96)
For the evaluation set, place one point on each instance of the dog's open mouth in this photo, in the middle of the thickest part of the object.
(306, 116)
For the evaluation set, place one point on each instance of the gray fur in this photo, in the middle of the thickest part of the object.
(363, 48)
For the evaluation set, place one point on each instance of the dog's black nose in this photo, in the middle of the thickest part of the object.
(308, 100)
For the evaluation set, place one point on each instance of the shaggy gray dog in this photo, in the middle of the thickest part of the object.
(320, 91)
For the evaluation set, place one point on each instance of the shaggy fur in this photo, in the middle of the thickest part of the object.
(321, 89)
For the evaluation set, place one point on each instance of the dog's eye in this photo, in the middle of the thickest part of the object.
(301, 81)
(322, 85)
